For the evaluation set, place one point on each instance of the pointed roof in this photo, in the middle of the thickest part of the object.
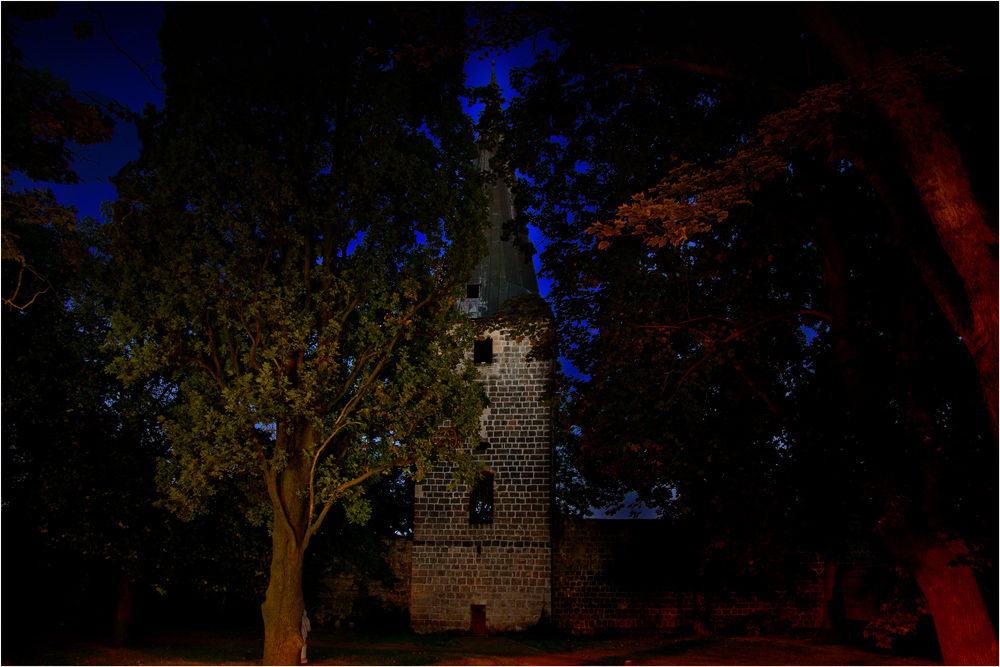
(506, 271)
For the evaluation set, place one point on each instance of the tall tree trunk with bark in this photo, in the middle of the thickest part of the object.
(910, 511)
(925, 150)
(284, 602)
(961, 619)
(829, 581)
(122, 626)
(283, 605)
(934, 165)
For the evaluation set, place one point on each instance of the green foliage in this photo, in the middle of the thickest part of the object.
(287, 248)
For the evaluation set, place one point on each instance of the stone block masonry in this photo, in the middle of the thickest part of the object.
(634, 576)
(504, 565)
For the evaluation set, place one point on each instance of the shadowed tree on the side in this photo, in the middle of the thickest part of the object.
(710, 188)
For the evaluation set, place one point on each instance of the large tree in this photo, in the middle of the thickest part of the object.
(289, 244)
(691, 252)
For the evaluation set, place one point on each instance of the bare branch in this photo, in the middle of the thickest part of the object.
(204, 364)
(107, 34)
(731, 337)
(20, 275)
(218, 374)
(232, 351)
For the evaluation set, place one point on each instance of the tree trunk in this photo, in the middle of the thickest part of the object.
(121, 627)
(910, 526)
(829, 579)
(283, 605)
(933, 163)
(964, 630)
(965, 227)
(282, 608)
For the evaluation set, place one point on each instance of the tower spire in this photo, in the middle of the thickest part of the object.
(506, 271)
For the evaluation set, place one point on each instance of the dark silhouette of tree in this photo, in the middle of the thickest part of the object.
(80, 449)
(698, 189)
(80, 455)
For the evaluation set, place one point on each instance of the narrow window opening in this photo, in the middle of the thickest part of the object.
(482, 351)
(481, 501)
(472, 291)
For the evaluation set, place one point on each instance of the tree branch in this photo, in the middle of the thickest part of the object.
(107, 34)
(346, 485)
(232, 351)
(215, 352)
(280, 511)
(319, 451)
(736, 334)
(203, 364)
(20, 275)
(712, 71)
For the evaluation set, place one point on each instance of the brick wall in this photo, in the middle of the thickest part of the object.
(627, 575)
(505, 565)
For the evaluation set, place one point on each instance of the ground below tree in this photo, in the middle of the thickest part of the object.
(244, 647)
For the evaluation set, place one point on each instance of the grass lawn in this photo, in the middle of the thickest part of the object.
(342, 647)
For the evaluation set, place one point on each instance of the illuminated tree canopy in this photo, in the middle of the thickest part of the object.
(288, 246)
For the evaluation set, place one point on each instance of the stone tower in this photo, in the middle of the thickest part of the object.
(482, 556)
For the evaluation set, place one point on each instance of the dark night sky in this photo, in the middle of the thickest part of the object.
(97, 68)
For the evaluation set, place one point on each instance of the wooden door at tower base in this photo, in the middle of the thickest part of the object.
(479, 619)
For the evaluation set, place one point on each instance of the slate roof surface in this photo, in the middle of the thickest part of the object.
(506, 271)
